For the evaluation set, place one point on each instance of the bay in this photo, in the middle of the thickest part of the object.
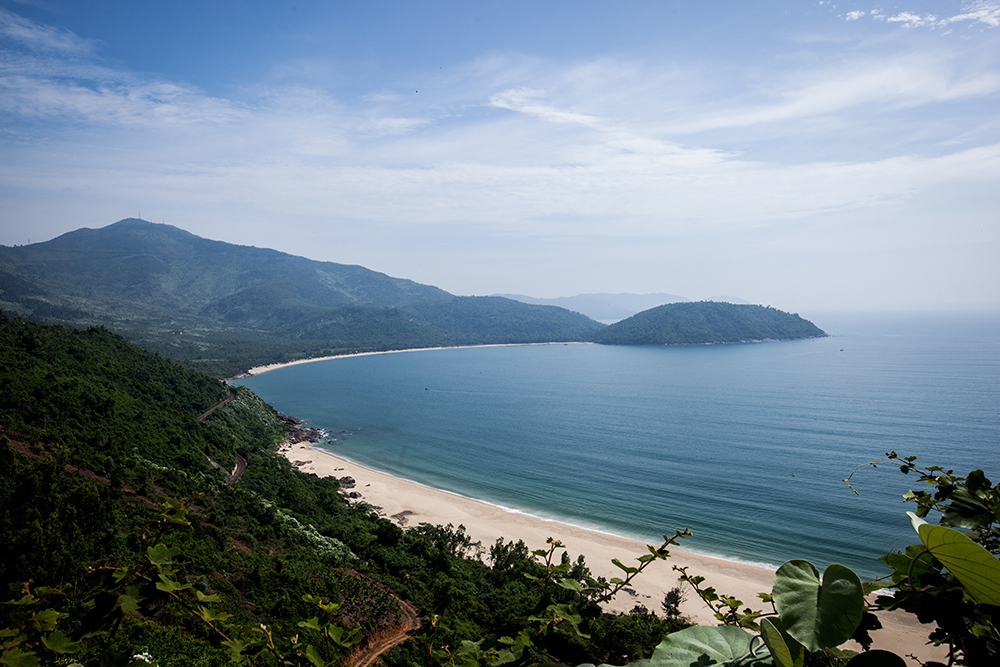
(745, 444)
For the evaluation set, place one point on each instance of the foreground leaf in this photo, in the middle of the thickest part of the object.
(46, 619)
(818, 614)
(210, 615)
(168, 585)
(15, 657)
(784, 649)
(60, 643)
(976, 568)
(312, 653)
(702, 645)
(235, 647)
(161, 554)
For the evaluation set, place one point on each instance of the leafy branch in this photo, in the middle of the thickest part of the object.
(725, 608)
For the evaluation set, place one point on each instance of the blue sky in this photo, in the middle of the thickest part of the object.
(807, 155)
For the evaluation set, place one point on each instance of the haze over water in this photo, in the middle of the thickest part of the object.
(745, 444)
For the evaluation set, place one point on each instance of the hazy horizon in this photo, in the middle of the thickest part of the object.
(811, 156)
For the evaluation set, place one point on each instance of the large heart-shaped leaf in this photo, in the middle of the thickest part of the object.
(702, 645)
(976, 568)
(819, 614)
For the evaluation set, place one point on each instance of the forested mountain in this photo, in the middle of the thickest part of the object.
(94, 435)
(707, 322)
(222, 307)
(137, 268)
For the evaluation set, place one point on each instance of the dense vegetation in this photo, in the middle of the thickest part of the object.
(707, 322)
(98, 439)
(477, 320)
(223, 308)
(95, 433)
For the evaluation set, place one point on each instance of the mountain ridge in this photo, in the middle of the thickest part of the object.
(222, 307)
(136, 253)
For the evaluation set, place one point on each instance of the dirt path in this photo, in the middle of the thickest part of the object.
(388, 639)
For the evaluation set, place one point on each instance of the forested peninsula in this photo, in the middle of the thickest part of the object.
(707, 322)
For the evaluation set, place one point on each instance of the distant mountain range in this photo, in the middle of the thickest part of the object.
(610, 308)
(223, 308)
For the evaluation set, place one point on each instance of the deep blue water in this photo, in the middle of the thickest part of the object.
(745, 444)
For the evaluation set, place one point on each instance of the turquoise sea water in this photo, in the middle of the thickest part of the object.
(745, 444)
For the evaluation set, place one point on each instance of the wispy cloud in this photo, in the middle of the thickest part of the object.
(48, 73)
(984, 12)
(150, 104)
(527, 101)
(37, 37)
(918, 81)
(987, 13)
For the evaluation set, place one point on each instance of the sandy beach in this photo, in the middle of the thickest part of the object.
(410, 504)
(257, 370)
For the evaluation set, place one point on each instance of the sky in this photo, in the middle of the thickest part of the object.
(808, 155)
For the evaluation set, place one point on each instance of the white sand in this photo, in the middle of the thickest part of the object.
(411, 504)
(257, 370)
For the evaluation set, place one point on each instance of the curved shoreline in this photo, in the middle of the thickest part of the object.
(257, 370)
(409, 504)
(513, 511)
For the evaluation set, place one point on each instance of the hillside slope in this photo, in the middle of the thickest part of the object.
(95, 432)
(134, 267)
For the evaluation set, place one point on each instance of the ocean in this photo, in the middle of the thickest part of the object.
(747, 445)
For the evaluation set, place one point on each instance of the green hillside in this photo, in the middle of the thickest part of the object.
(489, 319)
(707, 322)
(95, 433)
(223, 308)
